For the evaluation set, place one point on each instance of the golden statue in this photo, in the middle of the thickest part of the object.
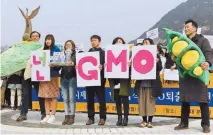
(28, 18)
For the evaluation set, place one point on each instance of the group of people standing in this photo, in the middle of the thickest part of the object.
(191, 89)
(120, 88)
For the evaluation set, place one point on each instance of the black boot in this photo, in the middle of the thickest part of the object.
(181, 126)
(43, 116)
(21, 118)
(206, 129)
(119, 122)
(66, 120)
(125, 121)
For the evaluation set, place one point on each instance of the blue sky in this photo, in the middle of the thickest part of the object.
(79, 19)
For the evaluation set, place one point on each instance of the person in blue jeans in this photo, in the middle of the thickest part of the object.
(69, 83)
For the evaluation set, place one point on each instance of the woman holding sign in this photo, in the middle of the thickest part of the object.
(69, 82)
(147, 91)
(120, 90)
(50, 90)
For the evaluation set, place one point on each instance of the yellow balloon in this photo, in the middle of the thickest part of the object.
(198, 71)
(178, 47)
(189, 59)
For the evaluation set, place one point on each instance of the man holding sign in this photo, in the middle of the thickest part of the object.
(27, 87)
(95, 81)
(191, 88)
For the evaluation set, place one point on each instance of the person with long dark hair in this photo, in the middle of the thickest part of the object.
(120, 91)
(49, 90)
(69, 82)
(147, 91)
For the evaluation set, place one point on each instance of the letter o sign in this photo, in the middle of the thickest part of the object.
(143, 61)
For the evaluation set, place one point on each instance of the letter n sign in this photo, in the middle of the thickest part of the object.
(40, 70)
(144, 62)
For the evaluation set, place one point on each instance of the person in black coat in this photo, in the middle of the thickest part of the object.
(170, 64)
(69, 83)
(192, 89)
(99, 91)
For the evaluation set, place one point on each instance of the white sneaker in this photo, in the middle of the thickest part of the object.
(51, 119)
(45, 119)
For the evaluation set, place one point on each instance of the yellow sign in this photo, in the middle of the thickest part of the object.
(161, 110)
(172, 84)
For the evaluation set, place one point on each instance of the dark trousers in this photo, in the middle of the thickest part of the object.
(119, 99)
(185, 111)
(27, 96)
(100, 93)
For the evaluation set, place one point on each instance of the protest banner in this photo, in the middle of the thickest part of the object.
(140, 40)
(79, 47)
(58, 59)
(171, 75)
(88, 73)
(117, 57)
(40, 70)
(152, 33)
(144, 62)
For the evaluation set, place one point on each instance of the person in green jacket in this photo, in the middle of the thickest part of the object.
(120, 90)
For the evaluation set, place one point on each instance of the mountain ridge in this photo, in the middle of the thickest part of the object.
(199, 10)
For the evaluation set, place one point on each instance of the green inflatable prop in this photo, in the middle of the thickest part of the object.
(188, 56)
(16, 57)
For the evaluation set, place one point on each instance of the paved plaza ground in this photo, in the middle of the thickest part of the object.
(162, 125)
